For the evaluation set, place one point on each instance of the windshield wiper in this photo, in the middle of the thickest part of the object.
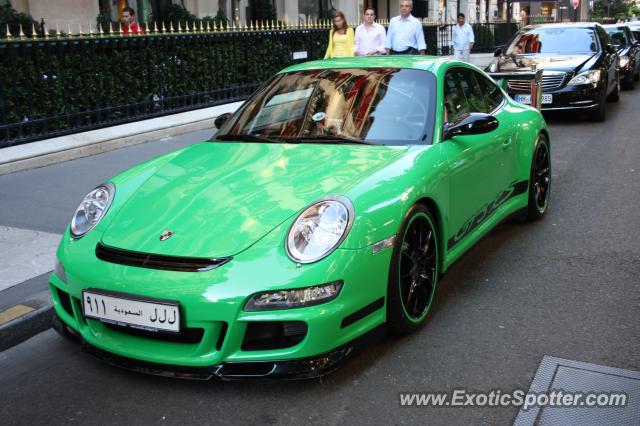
(244, 138)
(327, 138)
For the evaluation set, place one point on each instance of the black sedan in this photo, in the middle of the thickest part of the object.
(579, 62)
(629, 53)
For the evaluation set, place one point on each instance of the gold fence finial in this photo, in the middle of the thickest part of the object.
(207, 27)
(33, 30)
(171, 30)
(8, 36)
(146, 27)
(90, 30)
(201, 27)
(69, 32)
(179, 27)
(57, 30)
(80, 33)
(110, 29)
(155, 27)
(120, 29)
(21, 33)
(45, 32)
(164, 28)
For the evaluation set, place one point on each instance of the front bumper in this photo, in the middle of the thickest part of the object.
(215, 324)
(297, 369)
(583, 97)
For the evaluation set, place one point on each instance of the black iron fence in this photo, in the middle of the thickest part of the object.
(52, 86)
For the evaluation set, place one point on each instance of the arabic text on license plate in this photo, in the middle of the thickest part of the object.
(547, 98)
(145, 315)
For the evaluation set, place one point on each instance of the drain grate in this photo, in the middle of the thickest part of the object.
(573, 376)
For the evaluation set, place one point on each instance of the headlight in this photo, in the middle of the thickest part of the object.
(624, 61)
(319, 229)
(587, 77)
(92, 209)
(286, 299)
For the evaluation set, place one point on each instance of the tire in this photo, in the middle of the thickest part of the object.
(414, 272)
(600, 113)
(615, 95)
(628, 83)
(539, 180)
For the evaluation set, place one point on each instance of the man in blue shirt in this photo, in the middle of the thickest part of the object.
(405, 35)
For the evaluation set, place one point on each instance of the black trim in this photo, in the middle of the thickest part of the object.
(485, 212)
(361, 313)
(158, 261)
(302, 368)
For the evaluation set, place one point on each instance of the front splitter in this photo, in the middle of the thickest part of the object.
(292, 369)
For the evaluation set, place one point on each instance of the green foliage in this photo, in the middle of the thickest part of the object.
(179, 13)
(9, 15)
(262, 10)
(484, 37)
(609, 8)
(103, 20)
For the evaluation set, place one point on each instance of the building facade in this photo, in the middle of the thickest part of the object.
(85, 12)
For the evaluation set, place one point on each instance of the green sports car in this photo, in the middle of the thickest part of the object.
(324, 210)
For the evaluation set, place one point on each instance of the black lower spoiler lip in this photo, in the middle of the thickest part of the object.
(291, 369)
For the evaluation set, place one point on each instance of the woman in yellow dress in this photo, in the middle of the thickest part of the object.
(340, 38)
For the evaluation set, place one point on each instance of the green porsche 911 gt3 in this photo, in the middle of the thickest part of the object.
(324, 209)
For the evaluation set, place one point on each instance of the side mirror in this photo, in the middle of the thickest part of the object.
(471, 124)
(498, 52)
(221, 119)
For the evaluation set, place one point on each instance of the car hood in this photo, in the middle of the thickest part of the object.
(565, 63)
(220, 198)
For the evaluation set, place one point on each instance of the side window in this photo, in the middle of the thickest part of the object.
(462, 94)
(492, 92)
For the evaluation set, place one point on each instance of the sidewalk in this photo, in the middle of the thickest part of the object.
(25, 307)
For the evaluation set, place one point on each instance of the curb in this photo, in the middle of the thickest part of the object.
(56, 150)
(24, 327)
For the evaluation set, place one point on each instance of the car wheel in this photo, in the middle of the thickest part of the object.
(414, 272)
(615, 95)
(600, 112)
(628, 83)
(539, 180)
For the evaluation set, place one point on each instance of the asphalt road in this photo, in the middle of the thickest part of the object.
(567, 286)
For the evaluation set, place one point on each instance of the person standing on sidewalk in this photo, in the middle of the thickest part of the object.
(340, 38)
(129, 25)
(370, 36)
(463, 39)
(405, 35)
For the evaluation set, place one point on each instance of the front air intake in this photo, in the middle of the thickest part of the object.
(158, 261)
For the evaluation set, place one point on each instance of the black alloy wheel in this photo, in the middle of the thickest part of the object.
(540, 180)
(414, 272)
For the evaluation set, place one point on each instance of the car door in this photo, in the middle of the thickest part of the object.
(610, 59)
(480, 166)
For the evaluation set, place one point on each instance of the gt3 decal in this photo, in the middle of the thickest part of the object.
(475, 220)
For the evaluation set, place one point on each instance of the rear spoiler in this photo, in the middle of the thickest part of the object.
(535, 76)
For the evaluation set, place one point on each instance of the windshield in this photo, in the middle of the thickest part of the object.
(555, 41)
(618, 36)
(376, 105)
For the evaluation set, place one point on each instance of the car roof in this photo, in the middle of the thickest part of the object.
(419, 62)
(618, 26)
(562, 25)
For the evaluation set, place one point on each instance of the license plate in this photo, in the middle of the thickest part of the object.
(150, 315)
(526, 99)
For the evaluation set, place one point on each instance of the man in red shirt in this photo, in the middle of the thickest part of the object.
(129, 25)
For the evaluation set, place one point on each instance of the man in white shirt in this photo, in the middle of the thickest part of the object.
(463, 39)
(370, 36)
(405, 35)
